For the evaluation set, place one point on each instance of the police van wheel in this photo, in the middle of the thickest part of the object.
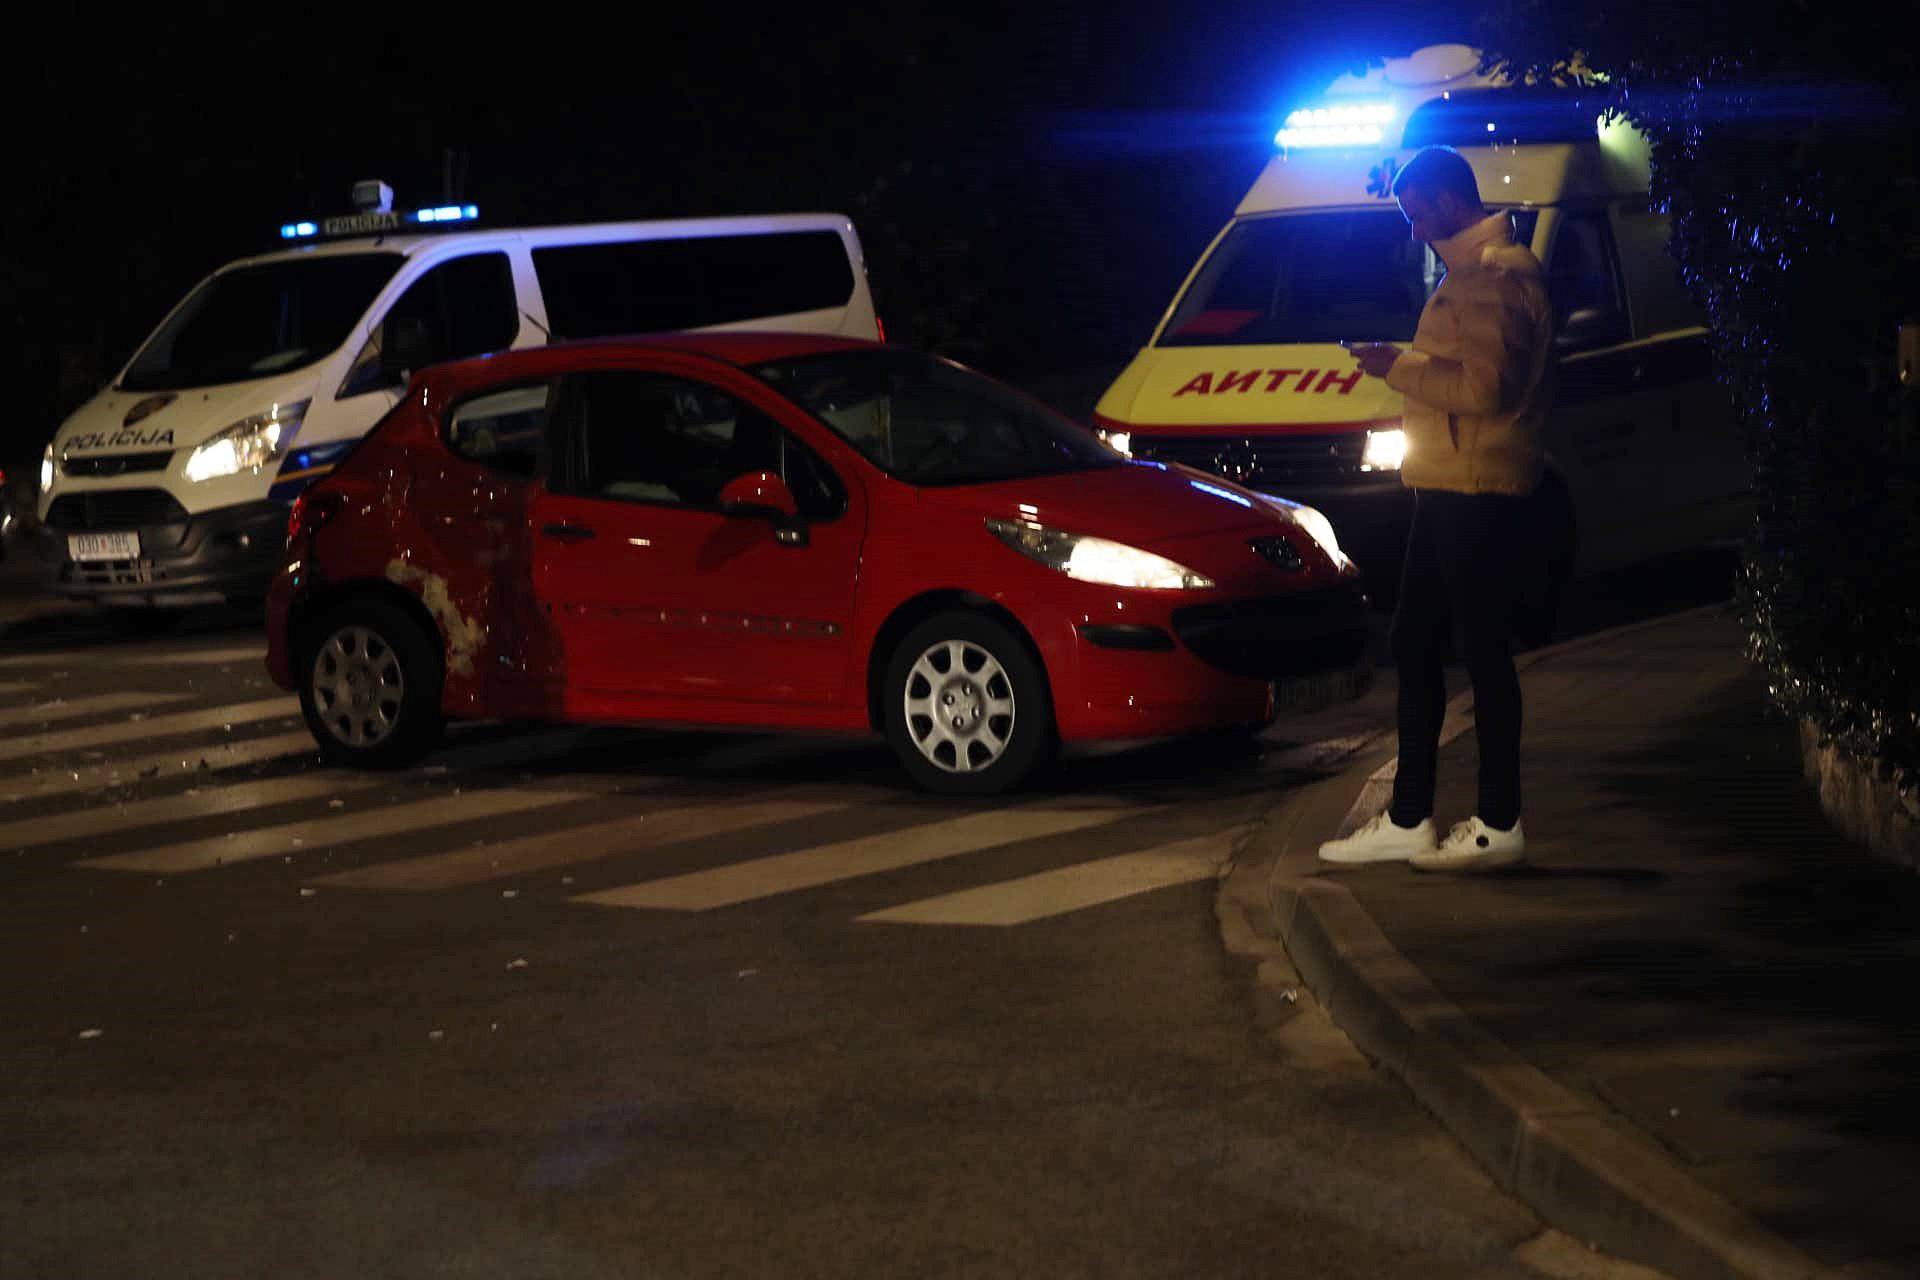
(370, 686)
(967, 706)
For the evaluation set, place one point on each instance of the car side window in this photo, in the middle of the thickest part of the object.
(502, 430)
(464, 307)
(644, 437)
(1584, 286)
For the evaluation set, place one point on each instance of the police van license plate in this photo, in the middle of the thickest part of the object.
(103, 546)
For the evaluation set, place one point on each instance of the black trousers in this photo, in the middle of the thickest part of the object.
(1468, 558)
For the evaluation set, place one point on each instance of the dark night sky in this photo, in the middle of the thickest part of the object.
(1032, 178)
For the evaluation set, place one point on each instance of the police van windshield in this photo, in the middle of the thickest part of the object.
(928, 422)
(1315, 277)
(257, 321)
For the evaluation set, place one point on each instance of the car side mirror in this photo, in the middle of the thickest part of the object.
(1588, 327)
(765, 496)
(406, 346)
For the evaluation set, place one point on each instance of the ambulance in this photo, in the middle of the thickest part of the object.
(172, 486)
(1245, 375)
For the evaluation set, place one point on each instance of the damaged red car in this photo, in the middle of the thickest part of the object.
(790, 532)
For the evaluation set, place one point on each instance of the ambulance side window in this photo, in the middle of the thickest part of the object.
(463, 307)
(1584, 286)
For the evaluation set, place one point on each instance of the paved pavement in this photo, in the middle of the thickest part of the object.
(1684, 1030)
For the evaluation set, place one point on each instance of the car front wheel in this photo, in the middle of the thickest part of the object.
(967, 706)
(370, 686)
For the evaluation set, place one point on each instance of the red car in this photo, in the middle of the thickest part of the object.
(793, 532)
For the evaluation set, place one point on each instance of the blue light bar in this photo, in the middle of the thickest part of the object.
(1345, 124)
(447, 213)
(298, 230)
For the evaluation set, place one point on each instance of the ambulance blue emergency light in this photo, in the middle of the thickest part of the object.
(1338, 124)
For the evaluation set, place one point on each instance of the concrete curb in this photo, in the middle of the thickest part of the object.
(1566, 1156)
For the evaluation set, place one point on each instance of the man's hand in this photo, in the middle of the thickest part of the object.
(1375, 358)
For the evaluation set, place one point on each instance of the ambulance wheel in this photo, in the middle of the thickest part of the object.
(370, 686)
(967, 708)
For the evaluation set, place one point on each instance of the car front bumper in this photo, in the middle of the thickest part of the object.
(224, 553)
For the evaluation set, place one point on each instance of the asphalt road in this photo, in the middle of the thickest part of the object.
(610, 1003)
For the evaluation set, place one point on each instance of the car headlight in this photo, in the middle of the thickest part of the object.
(46, 469)
(1121, 442)
(247, 445)
(1090, 559)
(1385, 450)
(1320, 529)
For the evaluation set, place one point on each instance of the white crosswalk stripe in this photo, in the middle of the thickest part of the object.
(868, 855)
(200, 658)
(97, 660)
(153, 727)
(80, 708)
(319, 833)
(1064, 890)
(208, 802)
(576, 845)
(7, 690)
(191, 759)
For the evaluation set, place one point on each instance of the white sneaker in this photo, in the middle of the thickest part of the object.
(1474, 846)
(1381, 840)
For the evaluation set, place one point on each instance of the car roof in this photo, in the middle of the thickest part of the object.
(734, 347)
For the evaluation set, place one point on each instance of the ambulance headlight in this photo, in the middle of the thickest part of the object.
(1090, 559)
(47, 469)
(247, 445)
(1385, 451)
(1121, 442)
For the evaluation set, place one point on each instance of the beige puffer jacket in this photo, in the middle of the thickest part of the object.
(1478, 380)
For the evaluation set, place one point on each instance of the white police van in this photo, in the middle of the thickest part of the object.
(172, 485)
(1245, 376)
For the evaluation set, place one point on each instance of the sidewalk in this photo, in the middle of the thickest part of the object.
(1686, 1030)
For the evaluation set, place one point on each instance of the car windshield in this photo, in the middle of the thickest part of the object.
(260, 320)
(929, 422)
(1319, 277)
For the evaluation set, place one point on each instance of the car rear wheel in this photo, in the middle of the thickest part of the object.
(370, 686)
(967, 706)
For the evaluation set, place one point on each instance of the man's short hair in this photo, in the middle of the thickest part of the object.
(1437, 170)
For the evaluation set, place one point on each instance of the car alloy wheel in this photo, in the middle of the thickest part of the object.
(960, 707)
(358, 687)
(967, 706)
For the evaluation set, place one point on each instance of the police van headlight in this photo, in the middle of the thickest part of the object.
(1385, 450)
(247, 445)
(47, 469)
(1090, 559)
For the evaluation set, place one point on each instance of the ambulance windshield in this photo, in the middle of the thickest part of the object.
(261, 320)
(1314, 277)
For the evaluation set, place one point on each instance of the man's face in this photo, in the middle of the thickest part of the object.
(1430, 217)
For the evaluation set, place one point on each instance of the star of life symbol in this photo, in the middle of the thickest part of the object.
(1380, 178)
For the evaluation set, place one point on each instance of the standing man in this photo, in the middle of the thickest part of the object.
(1477, 387)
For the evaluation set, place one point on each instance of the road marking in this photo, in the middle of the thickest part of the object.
(203, 803)
(218, 755)
(158, 726)
(199, 657)
(17, 687)
(868, 855)
(1055, 893)
(75, 708)
(574, 845)
(319, 833)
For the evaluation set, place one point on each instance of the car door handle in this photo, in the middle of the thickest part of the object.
(566, 532)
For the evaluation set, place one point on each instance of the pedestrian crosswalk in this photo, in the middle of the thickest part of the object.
(149, 779)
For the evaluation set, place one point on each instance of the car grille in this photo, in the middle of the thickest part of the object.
(1278, 552)
(1274, 636)
(117, 464)
(1332, 458)
(114, 509)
